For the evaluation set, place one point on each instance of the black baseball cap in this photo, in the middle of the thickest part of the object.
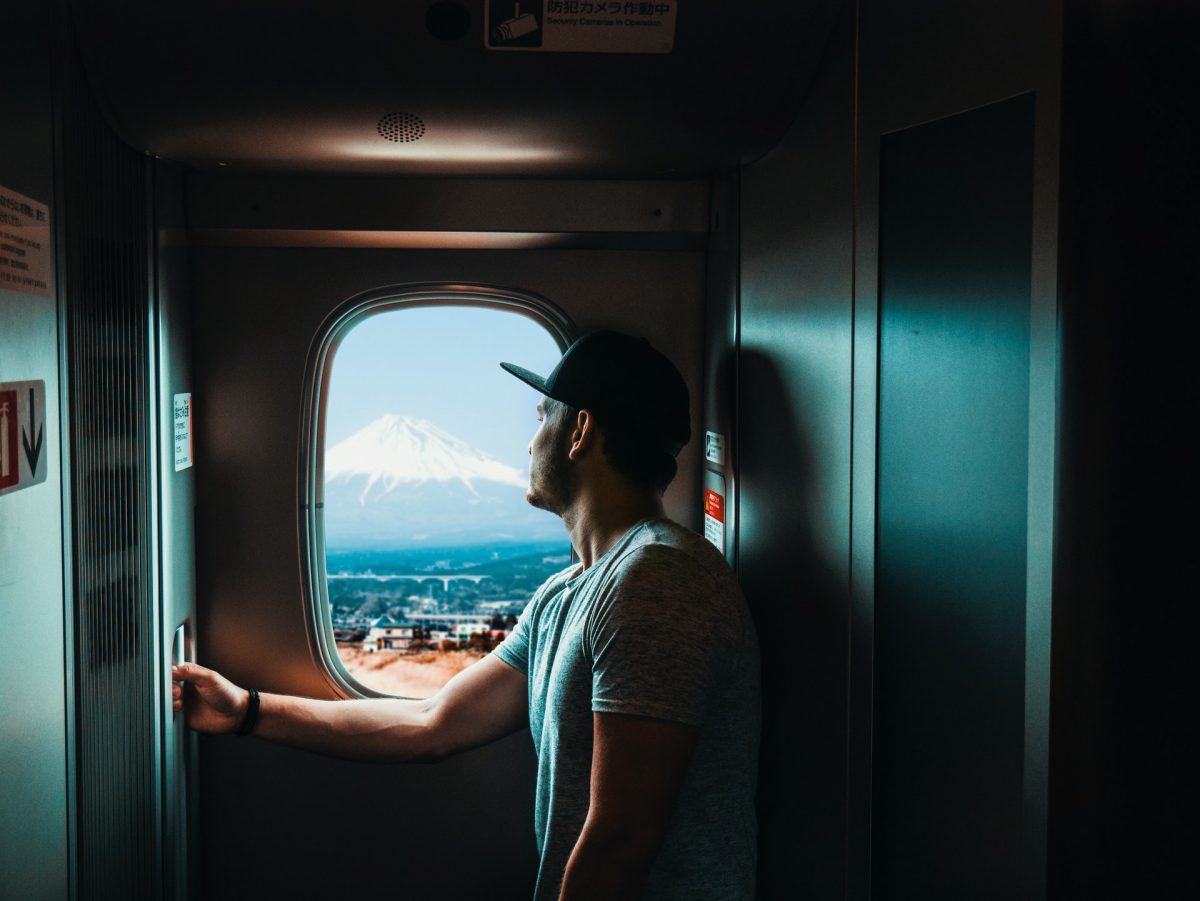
(624, 382)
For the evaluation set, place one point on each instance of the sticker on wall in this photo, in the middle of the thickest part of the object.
(579, 26)
(714, 518)
(183, 431)
(714, 447)
(23, 452)
(25, 264)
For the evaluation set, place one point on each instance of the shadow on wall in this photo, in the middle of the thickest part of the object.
(798, 598)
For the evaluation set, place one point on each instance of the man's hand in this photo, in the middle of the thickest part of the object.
(210, 702)
(638, 768)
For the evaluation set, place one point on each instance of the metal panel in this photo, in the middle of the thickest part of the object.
(810, 233)
(918, 64)
(955, 241)
(35, 859)
(177, 562)
(794, 415)
(721, 339)
(500, 207)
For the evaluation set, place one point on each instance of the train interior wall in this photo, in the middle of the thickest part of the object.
(35, 634)
(973, 664)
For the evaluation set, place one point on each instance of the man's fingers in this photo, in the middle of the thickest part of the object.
(190, 672)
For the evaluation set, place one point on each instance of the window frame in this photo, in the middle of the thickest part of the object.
(318, 617)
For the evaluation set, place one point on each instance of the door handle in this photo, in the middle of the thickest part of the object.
(181, 652)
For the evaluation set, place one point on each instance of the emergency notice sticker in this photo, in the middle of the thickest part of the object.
(580, 26)
(183, 431)
(714, 519)
(24, 244)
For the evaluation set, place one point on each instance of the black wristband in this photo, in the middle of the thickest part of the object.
(251, 717)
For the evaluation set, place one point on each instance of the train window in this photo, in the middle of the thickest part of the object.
(430, 551)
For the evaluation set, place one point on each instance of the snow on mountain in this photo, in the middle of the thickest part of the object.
(405, 482)
(394, 450)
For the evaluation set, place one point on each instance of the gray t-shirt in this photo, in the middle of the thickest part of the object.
(656, 627)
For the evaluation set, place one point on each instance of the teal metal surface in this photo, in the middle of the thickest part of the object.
(35, 743)
(951, 544)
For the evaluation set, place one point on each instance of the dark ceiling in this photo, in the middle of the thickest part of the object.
(409, 88)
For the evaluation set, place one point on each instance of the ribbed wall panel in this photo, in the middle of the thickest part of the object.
(104, 187)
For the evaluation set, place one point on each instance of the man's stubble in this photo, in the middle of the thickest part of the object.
(553, 482)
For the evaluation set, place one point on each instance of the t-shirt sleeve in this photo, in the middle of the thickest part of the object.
(658, 638)
(514, 650)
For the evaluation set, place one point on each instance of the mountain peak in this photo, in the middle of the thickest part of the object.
(394, 449)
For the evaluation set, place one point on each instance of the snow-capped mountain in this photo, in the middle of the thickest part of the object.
(394, 450)
(402, 481)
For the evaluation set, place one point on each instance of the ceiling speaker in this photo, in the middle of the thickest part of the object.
(401, 127)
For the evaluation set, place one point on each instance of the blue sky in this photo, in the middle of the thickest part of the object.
(443, 364)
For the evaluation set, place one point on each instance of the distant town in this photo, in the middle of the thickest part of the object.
(445, 600)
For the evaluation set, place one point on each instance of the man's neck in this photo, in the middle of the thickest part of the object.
(598, 518)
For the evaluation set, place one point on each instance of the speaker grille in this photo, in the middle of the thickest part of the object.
(402, 128)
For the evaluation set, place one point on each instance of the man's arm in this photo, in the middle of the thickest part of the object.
(638, 768)
(484, 702)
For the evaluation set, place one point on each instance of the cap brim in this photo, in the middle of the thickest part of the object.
(529, 378)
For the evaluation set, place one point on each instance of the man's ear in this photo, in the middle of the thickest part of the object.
(584, 435)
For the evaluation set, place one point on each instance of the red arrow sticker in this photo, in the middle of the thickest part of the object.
(23, 446)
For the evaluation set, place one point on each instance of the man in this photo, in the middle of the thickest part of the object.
(636, 669)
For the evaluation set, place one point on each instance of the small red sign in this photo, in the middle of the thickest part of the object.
(10, 463)
(714, 505)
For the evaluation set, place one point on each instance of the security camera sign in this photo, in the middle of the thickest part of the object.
(23, 453)
(580, 26)
(182, 408)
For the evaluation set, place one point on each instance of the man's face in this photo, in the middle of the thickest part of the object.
(551, 478)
